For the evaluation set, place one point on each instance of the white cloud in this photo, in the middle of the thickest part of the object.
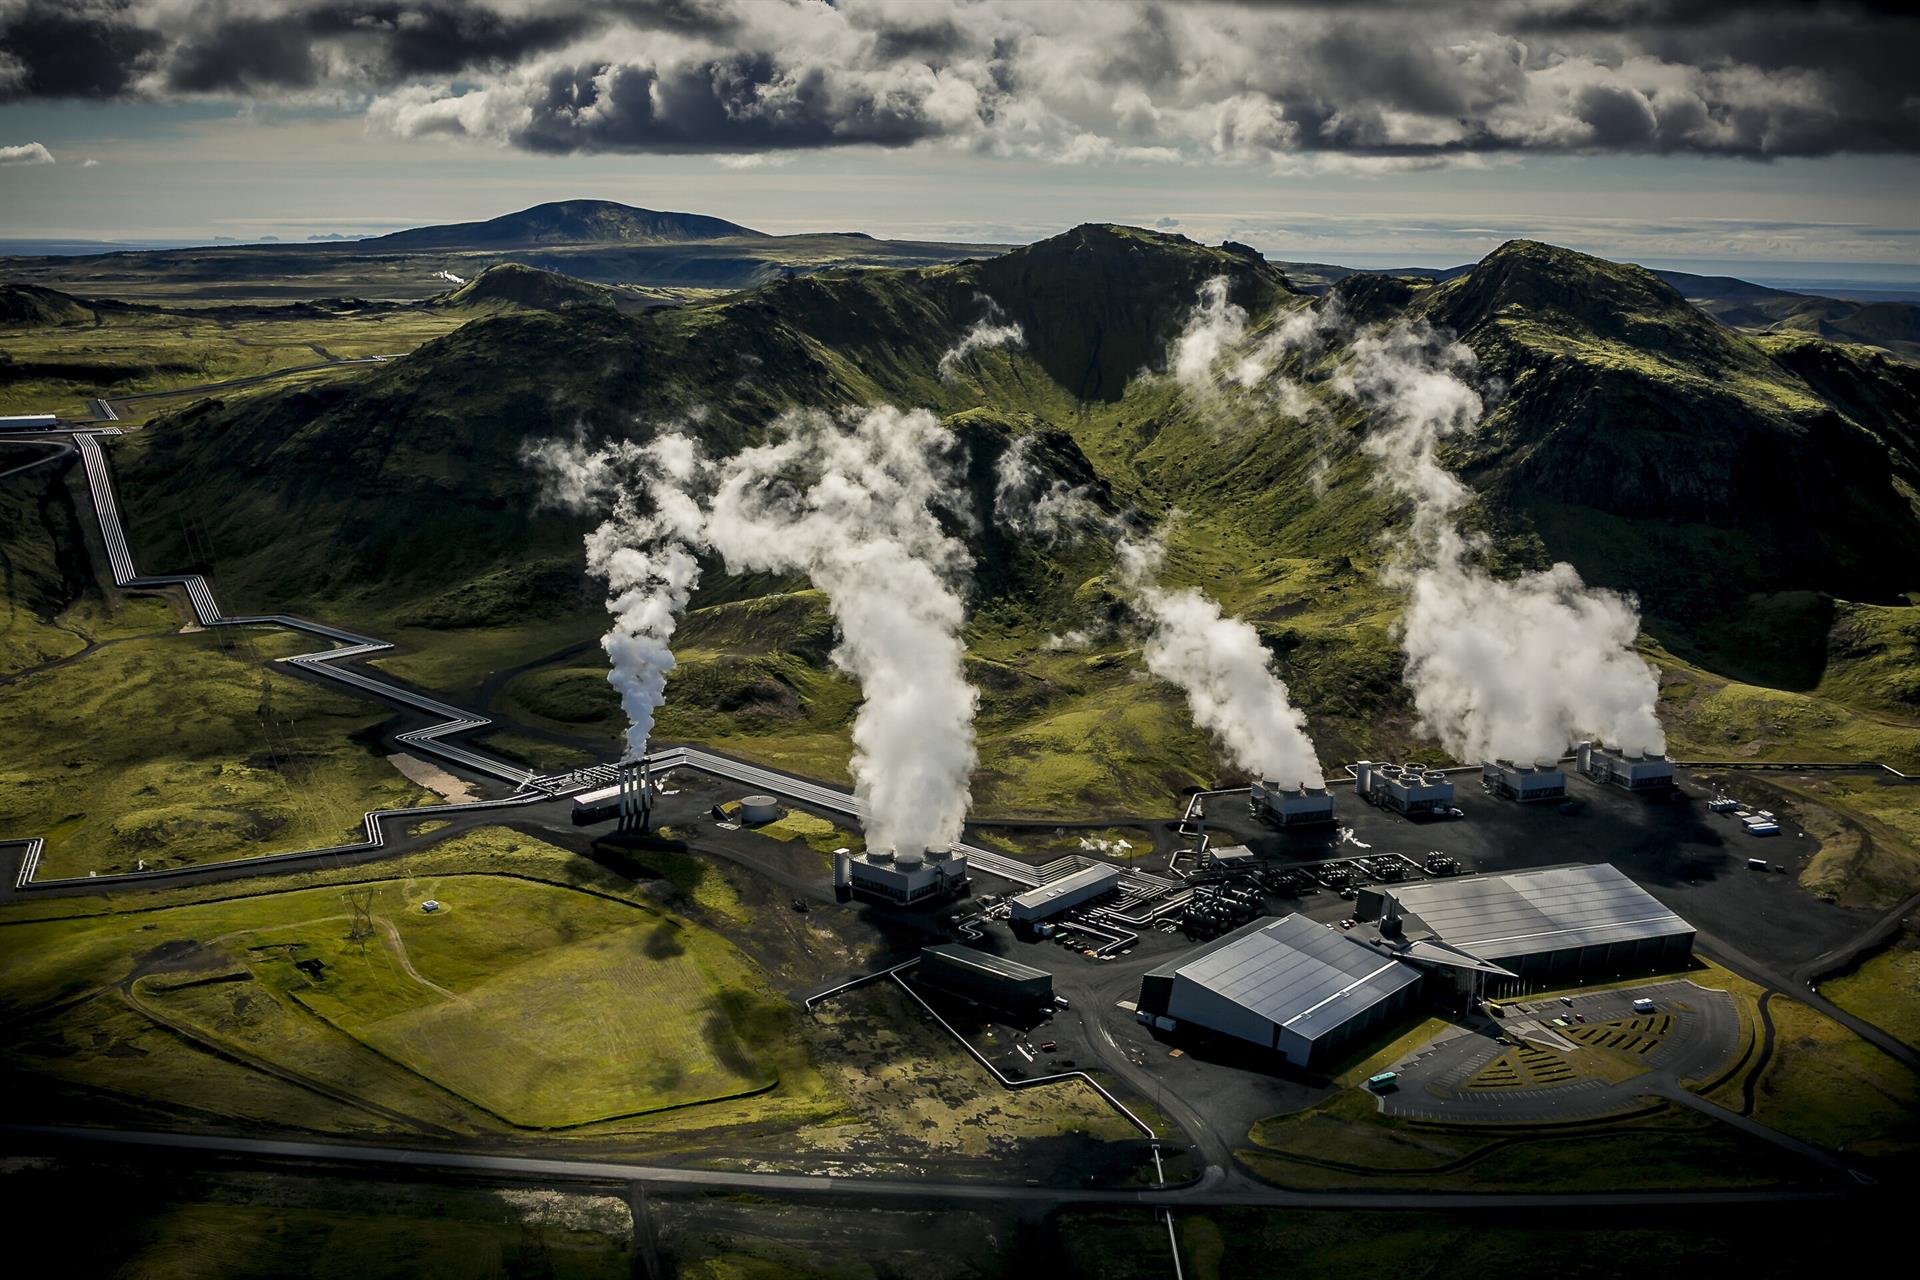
(25, 153)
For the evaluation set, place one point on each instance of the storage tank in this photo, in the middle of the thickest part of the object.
(755, 810)
(1362, 777)
(842, 871)
(1583, 757)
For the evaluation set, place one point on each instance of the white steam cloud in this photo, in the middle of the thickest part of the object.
(1225, 671)
(1514, 669)
(1218, 662)
(1212, 353)
(644, 549)
(1216, 326)
(992, 330)
(854, 501)
(1025, 501)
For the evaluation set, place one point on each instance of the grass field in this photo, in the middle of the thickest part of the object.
(659, 1011)
(1573, 1244)
(181, 748)
(57, 368)
(251, 1225)
(27, 641)
(1824, 1084)
(1345, 1142)
(1885, 989)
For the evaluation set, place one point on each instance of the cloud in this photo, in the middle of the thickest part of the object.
(1298, 87)
(89, 163)
(26, 153)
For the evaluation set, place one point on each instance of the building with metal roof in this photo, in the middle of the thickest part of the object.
(1561, 923)
(1289, 985)
(984, 978)
(1064, 894)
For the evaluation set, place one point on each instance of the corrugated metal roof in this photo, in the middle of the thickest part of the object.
(1098, 874)
(986, 962)
(1299, 974)
(1526, 912)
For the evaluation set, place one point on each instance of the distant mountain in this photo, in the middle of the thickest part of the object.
(563, 222)
(1757, 308)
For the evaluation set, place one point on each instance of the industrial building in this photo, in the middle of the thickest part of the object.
(1000, 984)
(1056, 896)
(1405, 788)
(1305, 805)
(1611, 767)
(1563, 924)
(1229, 857)
(630, 798)
(906, 878)
(1523, 782)
(26, 421)
(1292, 986)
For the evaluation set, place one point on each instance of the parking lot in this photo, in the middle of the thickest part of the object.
(1692, 1032)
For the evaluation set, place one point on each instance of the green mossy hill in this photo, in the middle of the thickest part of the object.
(566, 222)
(512, 287)
(414, 469)
(28, 306)
(1642, 434)
(42, 548)
(1100, 303)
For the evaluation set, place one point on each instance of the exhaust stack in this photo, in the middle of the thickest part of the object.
(636, 795)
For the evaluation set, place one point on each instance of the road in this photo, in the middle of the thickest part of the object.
(1206, 1192)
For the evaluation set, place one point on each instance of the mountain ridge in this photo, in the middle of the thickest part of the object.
(569, 222)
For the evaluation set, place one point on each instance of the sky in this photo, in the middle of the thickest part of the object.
(1774, 139)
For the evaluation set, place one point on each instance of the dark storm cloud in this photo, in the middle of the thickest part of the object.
(117, 48)
(62, 49)
(749, 103)
(1238, 83)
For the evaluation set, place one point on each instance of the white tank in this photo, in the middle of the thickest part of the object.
(1362, 777)
(1583, 757)
(759, 809)
(842, 868)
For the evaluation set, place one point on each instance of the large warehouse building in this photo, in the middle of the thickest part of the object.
(1309, 993)
(1288, 985)
(1559, 923)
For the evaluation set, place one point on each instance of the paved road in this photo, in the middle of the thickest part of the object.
(1206, 1191)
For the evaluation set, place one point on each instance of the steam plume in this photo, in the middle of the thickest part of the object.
(1226, 672)
(1512, 669)
(1026, 502)
(854, 501)
(1217, 661)
(1216, 326)
(644, 549)
(991, 330)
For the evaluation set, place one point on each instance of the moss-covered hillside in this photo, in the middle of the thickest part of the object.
(1738, 486)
